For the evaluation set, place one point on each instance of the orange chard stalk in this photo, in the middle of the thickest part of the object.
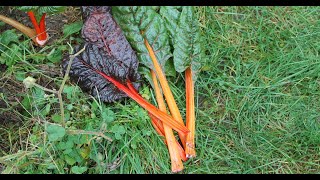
(159, 129)
(158, 126)
(174, 110)
(31, 33)
(176, 163)
(190, 114)
(164, 117)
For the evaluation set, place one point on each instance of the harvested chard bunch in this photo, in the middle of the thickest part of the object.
(108, 66)
(161, 36)
(146, 31)
(166, 40)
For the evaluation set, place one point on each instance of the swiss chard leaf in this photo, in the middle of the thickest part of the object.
(143, 22)
(188, 50)
(107, 51)
(171, 15)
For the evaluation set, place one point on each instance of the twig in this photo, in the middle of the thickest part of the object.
(59, 93)
(45, 89)
(3, 159)
(89, 133)
(66, 75)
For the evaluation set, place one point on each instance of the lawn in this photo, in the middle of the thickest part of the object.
(257, 102)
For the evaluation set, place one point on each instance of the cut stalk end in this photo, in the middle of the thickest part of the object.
(190, 114)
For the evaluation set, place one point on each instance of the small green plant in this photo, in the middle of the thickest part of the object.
(10, 49)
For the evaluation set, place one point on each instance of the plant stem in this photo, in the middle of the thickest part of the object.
(164, 117)
(190, 114)
(176, 163)
(42, 26)
(158, 126)
(160, 131)
(45, 89)
(89, 133)
(66, 75)
(174, 110)
(34, 22)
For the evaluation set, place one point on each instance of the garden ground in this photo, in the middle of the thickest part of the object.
(257, 101)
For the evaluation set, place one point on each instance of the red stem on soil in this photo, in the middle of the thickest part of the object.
(34, 22)
(40, 29)
(42, 24)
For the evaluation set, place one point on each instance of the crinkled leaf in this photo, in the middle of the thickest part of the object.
(187, 48)
(50, 9)
(107, 51)
(83, 71)
(171, 15)
(143, 22)
(27, 8)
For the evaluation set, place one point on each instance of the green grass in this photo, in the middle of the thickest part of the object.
(260, 93)
(257, 106)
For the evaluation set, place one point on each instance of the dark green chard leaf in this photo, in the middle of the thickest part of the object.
(171, 15)
(188, 50)
(139, 22)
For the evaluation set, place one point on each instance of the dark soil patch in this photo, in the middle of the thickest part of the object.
(9, 106)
